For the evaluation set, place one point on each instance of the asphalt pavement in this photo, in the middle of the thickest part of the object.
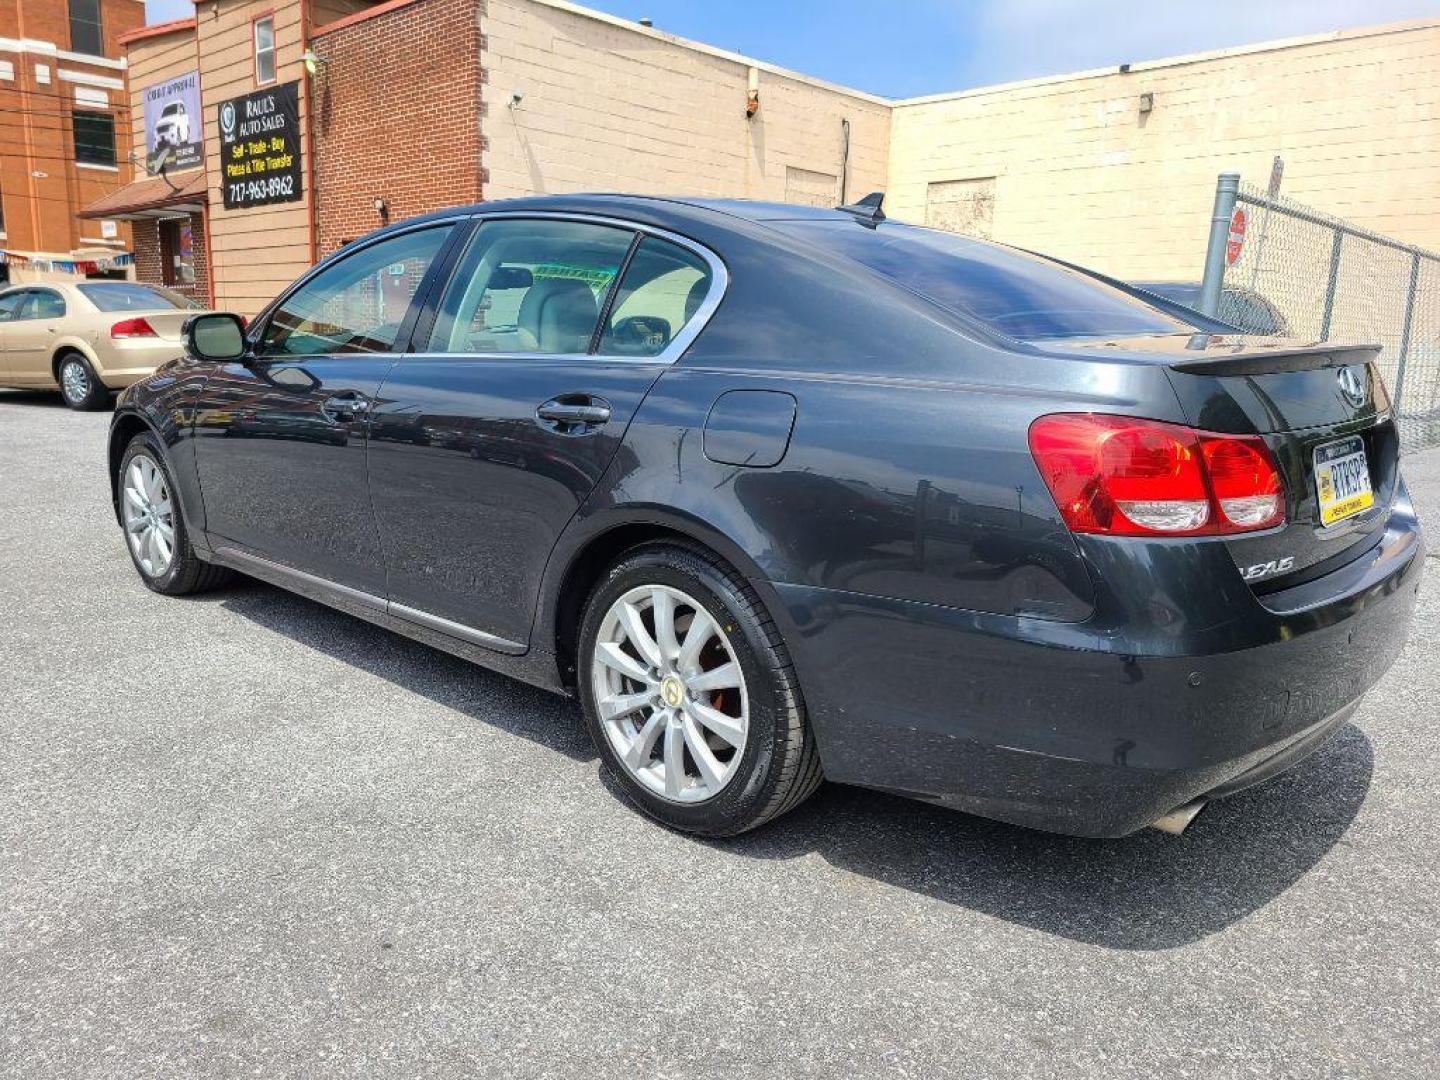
(244, 835)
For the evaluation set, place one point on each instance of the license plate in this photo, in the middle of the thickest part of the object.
(1342, 480)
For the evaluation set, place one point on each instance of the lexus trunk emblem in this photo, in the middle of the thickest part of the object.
(1351, 385)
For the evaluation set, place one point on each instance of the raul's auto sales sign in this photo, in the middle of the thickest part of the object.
(260, 147)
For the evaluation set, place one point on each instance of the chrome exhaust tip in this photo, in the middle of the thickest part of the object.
(1179, 819)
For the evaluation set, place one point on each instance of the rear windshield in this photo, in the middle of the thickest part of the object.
(127, 296)
(1021, 296)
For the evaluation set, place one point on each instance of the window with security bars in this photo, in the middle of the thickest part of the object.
(94, 137)
(86, 33)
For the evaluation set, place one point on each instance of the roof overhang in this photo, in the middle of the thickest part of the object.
(174, 26)
(155, 197)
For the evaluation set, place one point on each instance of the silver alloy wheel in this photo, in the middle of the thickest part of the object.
(149, 516)
(670, 694)
(74, 380)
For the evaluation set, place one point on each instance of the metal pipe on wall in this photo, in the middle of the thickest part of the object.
(1227, 188)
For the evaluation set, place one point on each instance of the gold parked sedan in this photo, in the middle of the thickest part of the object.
(89, 338)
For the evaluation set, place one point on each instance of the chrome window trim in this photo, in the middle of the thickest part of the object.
(719, 283)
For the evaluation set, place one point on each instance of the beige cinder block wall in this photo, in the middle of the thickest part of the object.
(611, 106)
(1081, 174)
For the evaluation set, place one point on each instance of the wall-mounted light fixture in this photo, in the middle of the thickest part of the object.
(313, 61)
(516, 97)
(1147, 102)
(382, 210)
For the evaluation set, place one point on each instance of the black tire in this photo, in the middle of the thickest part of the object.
(186, 573)
(85, 392)
(780, 765)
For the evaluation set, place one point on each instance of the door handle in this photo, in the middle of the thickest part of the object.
(578, 412)
(345, 406)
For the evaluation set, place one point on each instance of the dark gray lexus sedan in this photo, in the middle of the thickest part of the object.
(784, 494)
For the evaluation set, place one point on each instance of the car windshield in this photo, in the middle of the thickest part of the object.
(1021, 296)
(128, 296)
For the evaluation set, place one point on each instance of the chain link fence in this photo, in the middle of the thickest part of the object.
(1301, 273)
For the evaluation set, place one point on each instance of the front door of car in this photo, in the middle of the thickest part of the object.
(10, 302)
(30, 337)
(525, 374)
(280, 447)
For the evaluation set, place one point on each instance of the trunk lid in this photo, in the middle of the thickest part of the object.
(1316, 405)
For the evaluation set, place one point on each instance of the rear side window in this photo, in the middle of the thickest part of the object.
(530, 286)
(663, 288)
(131, 297)
(1020, 296)
(357, 303)
(44, 304)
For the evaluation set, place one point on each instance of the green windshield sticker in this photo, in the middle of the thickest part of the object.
(597, 276)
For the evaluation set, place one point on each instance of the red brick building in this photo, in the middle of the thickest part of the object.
(309, 123)
(362, 148)
(368, 130)
(64, 116)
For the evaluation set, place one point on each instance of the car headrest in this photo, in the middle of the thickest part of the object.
(560, 313)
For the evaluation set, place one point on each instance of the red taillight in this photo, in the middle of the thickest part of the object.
(1129, 477)
(1244, 480)
(132, 328)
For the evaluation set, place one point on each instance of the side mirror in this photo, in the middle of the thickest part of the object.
(216, 336)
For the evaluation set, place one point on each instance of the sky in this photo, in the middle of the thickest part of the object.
(907, 48)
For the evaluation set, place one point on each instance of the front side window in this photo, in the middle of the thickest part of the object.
(85, 32)
(43, 304)
(1022, 296)
(265, 50)
(357, 303)
(94, 137)
(10, 304)
(133, 296)
(663, 288)
(530, 286)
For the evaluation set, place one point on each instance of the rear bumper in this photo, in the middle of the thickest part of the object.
(123, 362)
(1088, 728)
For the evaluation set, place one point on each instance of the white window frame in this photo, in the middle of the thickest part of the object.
(259, 52)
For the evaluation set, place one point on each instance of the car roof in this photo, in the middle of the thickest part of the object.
(659, 210)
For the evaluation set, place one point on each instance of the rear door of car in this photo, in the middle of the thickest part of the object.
(524, 374)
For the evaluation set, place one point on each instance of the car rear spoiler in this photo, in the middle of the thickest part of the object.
(1270, 361)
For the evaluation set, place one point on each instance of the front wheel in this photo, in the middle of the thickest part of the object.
(154, 526)
(690, 696)
(79, 386)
